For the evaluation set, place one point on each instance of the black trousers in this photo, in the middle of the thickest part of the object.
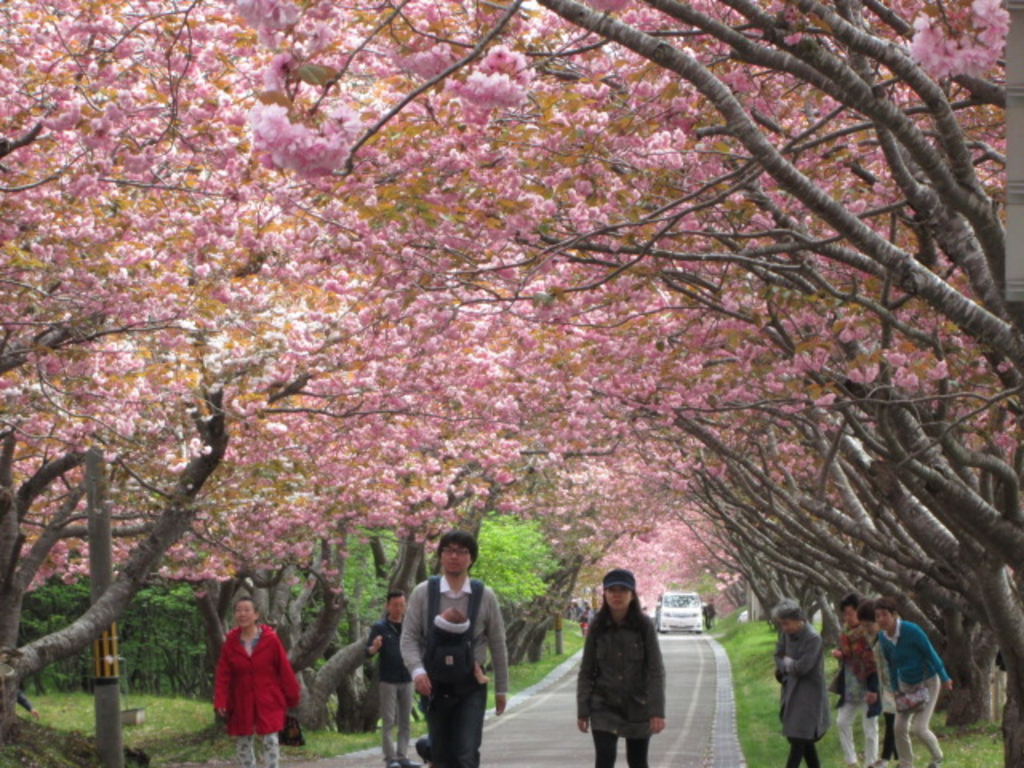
(889, 740)
(606, 744)
(801, 750)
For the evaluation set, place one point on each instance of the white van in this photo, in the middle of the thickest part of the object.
(679, 610)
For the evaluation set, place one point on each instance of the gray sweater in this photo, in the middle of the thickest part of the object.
(488, 632)
(804, 704)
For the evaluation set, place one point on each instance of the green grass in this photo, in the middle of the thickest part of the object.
(183, 730)
(750, 648)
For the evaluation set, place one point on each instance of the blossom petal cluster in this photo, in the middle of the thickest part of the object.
(296, 147)
(426, 64)
(972, 53)
(268, 14)
(500, 82)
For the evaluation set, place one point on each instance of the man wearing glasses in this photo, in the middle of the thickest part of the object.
(456, 701)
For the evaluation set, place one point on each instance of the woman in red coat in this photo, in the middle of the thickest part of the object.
(255, 685)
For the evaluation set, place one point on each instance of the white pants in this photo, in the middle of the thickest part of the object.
(395, 711)
(847, 714)
(918, 723)
(246, 752)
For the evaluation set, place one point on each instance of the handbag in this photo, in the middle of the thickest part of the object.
(291, 736)
(912, 699)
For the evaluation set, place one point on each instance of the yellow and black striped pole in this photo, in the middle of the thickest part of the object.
(105, 657)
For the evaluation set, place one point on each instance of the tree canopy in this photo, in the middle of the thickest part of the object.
(727, 269)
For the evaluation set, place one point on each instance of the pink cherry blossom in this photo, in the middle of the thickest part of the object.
(427, 64)
(294, 146)
(608, 6)
(268, 14)
(973, 52)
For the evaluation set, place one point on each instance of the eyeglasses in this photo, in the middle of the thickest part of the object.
(455, 551)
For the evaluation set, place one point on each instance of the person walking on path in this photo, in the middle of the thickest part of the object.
(858, 685)
(254, 686)
(443, 672)
(866, 614)
(620, 687)
(916, 674)
(800, 668)
(395, 683)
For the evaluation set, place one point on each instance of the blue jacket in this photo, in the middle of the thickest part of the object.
(912, 658)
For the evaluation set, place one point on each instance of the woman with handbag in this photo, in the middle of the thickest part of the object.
(620, 690)
(916, 673)
(254, 686)
(800, 668)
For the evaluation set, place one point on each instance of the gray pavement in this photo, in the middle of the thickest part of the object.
(539, 728)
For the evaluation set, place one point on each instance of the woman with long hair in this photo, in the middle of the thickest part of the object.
(620, 690)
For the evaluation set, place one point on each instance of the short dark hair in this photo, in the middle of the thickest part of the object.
(459, 539)
(866, 610)
(248, 599)
(394, 593)
(851, 599)
(887, 604)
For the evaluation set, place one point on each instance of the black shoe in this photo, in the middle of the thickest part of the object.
(405, 762)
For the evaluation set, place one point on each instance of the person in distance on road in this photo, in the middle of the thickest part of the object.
(620, 690)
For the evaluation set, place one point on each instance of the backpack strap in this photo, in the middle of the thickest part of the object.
(433, 599)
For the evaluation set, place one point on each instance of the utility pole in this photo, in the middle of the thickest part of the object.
(106, 693)
(1015, 155)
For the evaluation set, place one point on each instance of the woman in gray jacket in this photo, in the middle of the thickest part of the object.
(800, 668)
(620, 690)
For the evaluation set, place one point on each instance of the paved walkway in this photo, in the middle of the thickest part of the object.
(539, 728)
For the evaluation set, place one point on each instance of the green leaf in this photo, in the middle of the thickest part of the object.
(316, 74)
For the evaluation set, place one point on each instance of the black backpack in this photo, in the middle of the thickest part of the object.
(449, 658)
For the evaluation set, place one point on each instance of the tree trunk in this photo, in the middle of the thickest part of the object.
(1013, 713)
(535, 641)
(312, 710)
(969, 656)
(351, 692)
(408, 564)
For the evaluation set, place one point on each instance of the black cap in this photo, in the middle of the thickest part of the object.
(619, 577)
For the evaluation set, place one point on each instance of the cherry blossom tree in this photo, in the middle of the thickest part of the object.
(433, 259)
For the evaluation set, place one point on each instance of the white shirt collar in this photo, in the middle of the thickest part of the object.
(446, 588)
(895, 636)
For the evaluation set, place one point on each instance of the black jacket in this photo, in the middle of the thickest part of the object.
(392, 668)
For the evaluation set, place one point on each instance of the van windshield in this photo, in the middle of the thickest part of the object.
(681, 601)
